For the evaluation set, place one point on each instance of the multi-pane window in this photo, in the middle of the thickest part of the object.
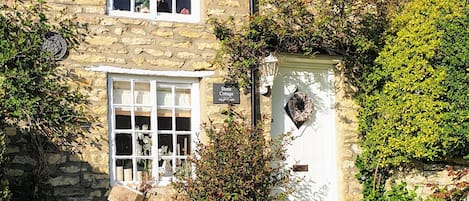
(152, 128)
(169, 10)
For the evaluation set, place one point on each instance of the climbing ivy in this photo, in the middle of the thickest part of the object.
(414, 104)
(343, 27)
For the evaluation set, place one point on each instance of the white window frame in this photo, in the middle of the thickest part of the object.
(194, 17)
(154, 80)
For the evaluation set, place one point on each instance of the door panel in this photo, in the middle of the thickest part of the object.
(313, 152)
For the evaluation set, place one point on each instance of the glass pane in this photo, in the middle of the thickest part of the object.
(183, 7)
(164, 6)
(183, 123)
(165, 168)
(142, 93)
(142, 6)
(183, 145)
(143, 145)
(123, 144)
(122, 118)
(121, 92)
(165, 144)
(124, 170)
(142, 118)
(165, 120)
(144, 167)
(121, 5)
(164, 97)
(183, 97)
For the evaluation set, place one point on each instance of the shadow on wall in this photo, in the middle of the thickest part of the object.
(70, 177)
(306, 190)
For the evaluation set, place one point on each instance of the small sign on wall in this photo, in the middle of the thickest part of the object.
(225, 94)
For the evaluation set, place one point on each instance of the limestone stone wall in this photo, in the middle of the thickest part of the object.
(347, 137)
(126, 43)
(423, 177)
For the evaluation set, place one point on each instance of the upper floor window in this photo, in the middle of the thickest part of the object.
(167, 10)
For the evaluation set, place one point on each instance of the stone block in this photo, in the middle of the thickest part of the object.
(136, 41)
(71, 169)
(186, 55)
(116, 60)
(203, 46)
(163, 33)
(165, 24)
(202, 65)
(95, 9)
(154, 52)
(108, 21)
(118, 31)
(24, 160)
(89, 19)
(88, 58)
(130, 21)
(182, 45)
(138, 60)
(164, 63)
(115, 49)
(10, 131)
(229, 3)
(138, 31)
(64, 181)
(216, 12)
(96, 193)
(138, 50)
(101, 40)
(56, 159)
(189, 34)
(90, 2)
(68, 191)
(123, 193)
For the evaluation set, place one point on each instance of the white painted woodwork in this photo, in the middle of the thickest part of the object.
(315, 145)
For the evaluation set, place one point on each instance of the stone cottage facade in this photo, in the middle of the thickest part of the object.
(146, 66)
(150, 81)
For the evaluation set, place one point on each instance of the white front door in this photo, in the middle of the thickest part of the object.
(313, 154)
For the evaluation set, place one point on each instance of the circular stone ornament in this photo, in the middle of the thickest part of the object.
(56, 45)
(299, 108)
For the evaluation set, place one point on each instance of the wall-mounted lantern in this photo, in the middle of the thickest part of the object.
(267, 72)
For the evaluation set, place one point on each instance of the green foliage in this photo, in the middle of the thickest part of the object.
(373, 180)
(413, 107)
(400, 193)
(35, 93)
(4, 192)
(414, 103)
(237, 163)
(346, 27)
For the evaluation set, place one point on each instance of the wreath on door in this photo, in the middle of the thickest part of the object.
(299, 108)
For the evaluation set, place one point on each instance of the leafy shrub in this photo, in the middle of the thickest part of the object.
(36, 95)
(414, 105)
(399, 192)
(4, 192)
(237, 164)
(415, 109)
